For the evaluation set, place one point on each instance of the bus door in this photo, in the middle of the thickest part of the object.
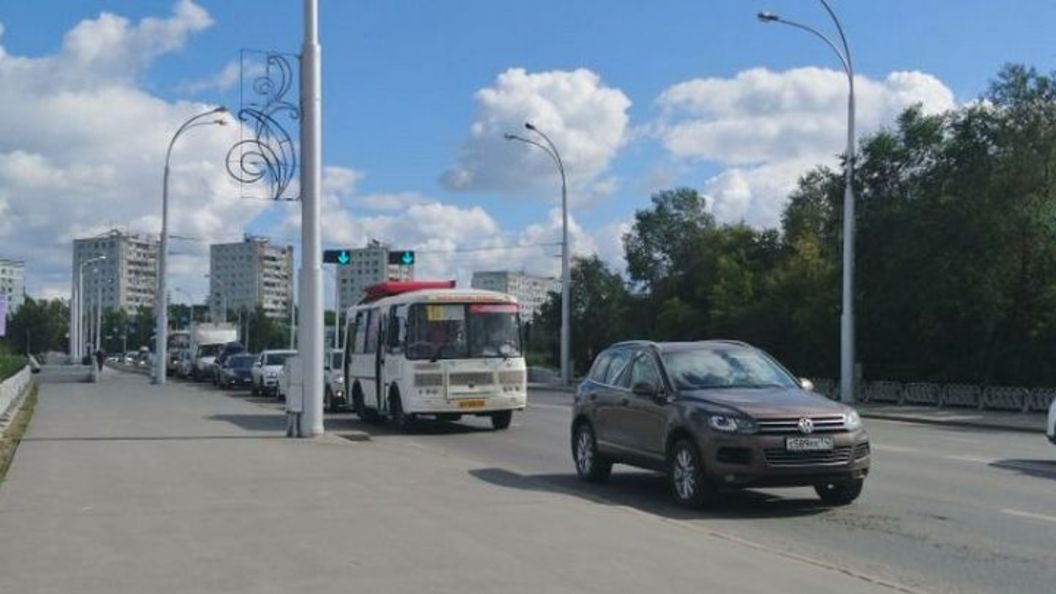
(392, 361)
(363, 363)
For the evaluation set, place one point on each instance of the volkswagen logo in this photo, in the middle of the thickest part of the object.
(806, 426)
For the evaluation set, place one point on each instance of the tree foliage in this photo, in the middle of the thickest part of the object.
(955, 256)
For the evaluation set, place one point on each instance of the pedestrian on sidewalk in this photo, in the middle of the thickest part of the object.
(100, 356)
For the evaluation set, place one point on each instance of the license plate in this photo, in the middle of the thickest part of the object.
(475, 403)
(808, 444)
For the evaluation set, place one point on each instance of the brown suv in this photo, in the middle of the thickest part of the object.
(712, 415)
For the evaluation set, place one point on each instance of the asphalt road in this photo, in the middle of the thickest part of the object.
(944, 509)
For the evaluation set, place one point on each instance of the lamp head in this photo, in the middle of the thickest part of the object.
(510, 136)
(220, 109)
(529, 126)
(220, 122)
(767, 17)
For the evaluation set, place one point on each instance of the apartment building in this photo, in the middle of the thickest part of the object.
(13, 283)
(368, 266)
(531, 291)
(127, 275)
(252, 272)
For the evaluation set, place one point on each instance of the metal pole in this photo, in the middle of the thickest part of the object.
(80, 317)
(161, 299)
(847, 350)
(98, 315)
(311, 348)
(337, 309)
(566, 286)
(73, 318)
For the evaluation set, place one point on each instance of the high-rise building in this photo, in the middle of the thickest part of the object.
(13, 283)
(249, 273)
(531, 291)
(368, 266)
(127, 278)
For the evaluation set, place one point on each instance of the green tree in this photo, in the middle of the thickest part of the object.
(38, 326)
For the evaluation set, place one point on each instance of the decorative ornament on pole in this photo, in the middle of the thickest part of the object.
(265, 161)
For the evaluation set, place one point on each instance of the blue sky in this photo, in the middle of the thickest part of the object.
(400, 77)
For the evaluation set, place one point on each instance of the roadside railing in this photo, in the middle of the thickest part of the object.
(1007, 398)
(12, 389)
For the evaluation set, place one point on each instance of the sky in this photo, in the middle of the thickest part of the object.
(637, 96)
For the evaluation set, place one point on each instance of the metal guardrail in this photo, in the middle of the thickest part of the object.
(1007, 398)
(12, 389)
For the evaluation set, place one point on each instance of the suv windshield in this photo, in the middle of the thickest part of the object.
(276, 358)
(461, 331)
(724, 367)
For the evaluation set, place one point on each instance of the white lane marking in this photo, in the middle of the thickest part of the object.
(555, 406)
(1026, 514)
(978, 459)
(883, 447)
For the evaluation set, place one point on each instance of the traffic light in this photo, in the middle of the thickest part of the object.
(403, 258)
(342, 257)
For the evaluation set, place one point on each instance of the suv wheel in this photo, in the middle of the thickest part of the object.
(591, 466)
(840, 493)
(685, 473)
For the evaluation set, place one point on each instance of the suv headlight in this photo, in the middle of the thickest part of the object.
(271, 374)
(852, 421)
(339, 379)
(731, 424)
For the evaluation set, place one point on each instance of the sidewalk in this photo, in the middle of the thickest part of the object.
(125, 487)
(955, 417)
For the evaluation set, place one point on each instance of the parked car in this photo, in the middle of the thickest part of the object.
(713, 415)
(237, 371)
(1050, 430)
(267, 370)
(335, 396)
(231, 348)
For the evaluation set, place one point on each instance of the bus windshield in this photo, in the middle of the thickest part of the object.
(463, 331)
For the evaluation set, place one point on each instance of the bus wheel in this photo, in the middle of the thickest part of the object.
(403, 421)
(501, 420)
(367, 415)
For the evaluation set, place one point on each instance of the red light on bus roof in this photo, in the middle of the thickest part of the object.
(390, 288)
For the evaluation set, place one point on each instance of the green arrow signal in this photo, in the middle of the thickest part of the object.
(408, 258)
(342, 258)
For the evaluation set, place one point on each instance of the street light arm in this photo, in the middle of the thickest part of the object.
(553, 151)
(843, 60)
(848, 66)
(553, 156)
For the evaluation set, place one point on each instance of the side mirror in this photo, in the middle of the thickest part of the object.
(645, 389)
(806, 384)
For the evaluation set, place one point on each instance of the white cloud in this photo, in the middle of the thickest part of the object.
(83, 147)
(224, 80)
(585, 119)
(771, 127)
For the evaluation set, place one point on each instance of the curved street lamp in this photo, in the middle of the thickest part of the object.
(161, 330)
(80, 305)
(847, 386)
(566, 282)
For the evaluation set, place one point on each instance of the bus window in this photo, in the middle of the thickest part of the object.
(437, 331)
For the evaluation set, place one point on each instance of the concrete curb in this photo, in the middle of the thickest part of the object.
(950, 422)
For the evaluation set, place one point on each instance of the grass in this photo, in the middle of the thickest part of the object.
(13, 434)
(10, 365)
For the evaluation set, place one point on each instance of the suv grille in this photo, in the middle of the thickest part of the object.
(780, 457)
(790, 426)
(861, 450)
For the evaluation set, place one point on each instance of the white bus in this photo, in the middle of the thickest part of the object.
(426, 349)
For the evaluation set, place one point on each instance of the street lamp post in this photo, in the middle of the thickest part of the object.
(311, 314)
(847, 384)
(161, 331)
(566, 280)
(80, 305)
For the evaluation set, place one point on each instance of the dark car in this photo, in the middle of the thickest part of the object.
(237, 371)
(714, 415)
(231, 348)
